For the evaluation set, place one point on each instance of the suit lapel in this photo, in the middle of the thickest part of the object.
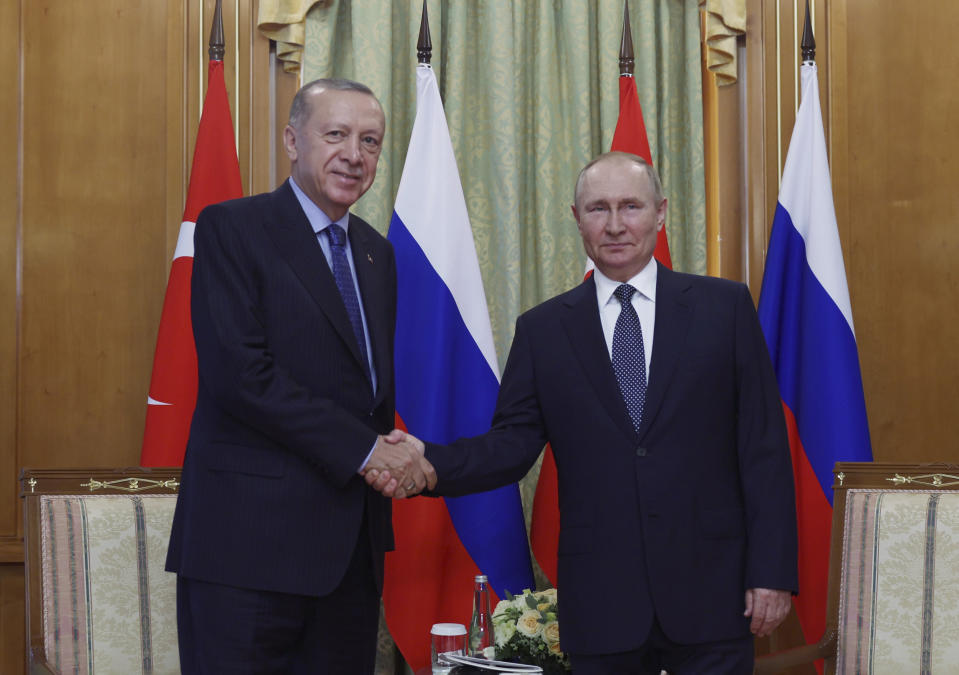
(673, 314)
(296, 242)
(585, 332)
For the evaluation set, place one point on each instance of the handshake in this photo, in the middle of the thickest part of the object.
(397, 467)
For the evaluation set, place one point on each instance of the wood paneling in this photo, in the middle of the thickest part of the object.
(93, 210)
(902, 216)
(9, 273)
(723, 136)
(12, 620)
(12, 641)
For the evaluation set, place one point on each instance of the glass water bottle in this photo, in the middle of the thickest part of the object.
(481, 625)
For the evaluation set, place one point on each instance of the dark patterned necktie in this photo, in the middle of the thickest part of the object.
(344, 281)
(629, 356)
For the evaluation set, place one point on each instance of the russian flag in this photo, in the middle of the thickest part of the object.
(806, 316)
(447, 379)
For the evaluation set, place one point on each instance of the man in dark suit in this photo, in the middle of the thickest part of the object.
(277, 542)
(678, 527)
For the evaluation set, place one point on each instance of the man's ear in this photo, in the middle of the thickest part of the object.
(289, 142)
(661, 215)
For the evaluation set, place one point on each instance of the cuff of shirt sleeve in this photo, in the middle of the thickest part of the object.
(367, 460)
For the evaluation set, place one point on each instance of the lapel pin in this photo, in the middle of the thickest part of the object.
(370, 258)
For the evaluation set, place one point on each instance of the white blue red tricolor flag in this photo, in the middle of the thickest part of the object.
(447, 379)
(806, 316)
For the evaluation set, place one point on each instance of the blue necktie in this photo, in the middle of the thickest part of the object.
(629, 357)
(344, 281)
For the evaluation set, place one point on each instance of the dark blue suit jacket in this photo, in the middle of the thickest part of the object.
(285, 414)
(679, 519)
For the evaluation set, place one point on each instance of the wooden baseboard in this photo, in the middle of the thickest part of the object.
(11, 550)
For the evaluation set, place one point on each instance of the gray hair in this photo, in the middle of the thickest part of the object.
(300, 109)
(636, 159)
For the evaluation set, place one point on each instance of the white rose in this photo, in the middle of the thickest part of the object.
(503, 632)
(551, 632)
(549, 594)
(528, 623)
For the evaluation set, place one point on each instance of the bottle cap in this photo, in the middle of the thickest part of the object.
(481, 579)
(448, 629)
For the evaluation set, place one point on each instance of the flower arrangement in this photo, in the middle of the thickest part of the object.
(527, 630)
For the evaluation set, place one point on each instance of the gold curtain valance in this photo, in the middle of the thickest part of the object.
(725, 20)
(284, 21)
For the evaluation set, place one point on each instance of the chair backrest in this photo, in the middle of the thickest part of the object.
(98, 599)
(894, 591)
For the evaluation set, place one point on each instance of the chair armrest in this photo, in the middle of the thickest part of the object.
(39, 664)
(779, 661)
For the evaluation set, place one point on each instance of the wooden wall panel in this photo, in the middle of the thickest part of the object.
(12, 621)
(9, 273)
(902, 216)
(12, 642)
(93, 209)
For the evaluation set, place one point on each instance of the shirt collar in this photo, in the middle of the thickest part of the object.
(644, 283)
(319, 221)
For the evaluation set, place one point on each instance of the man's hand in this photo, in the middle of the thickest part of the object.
(397, 467)
(768, 608)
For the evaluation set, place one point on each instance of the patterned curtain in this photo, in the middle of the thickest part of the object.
(531, 94)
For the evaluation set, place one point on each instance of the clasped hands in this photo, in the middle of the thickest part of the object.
(397, 467)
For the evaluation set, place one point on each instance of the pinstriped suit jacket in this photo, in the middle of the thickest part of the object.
(285, 414)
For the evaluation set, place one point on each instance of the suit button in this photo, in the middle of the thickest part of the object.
(640, 452)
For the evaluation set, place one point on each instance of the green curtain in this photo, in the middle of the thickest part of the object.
(530, 89)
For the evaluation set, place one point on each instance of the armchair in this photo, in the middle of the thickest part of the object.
(97, 596)
(893, 599)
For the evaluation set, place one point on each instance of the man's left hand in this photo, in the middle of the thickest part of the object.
(768, 608)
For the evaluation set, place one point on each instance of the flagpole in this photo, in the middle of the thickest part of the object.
(424, 45)
(808, 41)
(626, 61)
(217, 42)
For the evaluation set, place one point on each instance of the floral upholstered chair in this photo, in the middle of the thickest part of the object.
(98, 599)
(893, 602)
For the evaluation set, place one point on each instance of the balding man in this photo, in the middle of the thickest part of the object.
(677, 517)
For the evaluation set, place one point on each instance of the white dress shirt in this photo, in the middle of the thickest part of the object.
(644, 302)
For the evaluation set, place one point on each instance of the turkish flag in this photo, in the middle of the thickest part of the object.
(214, 177)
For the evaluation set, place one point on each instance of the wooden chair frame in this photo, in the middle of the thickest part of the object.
(35, 483)
(846, 476)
